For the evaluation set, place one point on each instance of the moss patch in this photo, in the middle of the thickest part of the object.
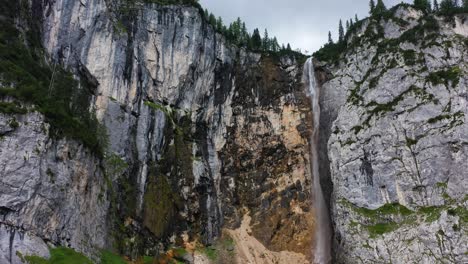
(451, 75)
(159, 205)
(381, 228)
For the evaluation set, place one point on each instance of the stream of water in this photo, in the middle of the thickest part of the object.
(322, 250)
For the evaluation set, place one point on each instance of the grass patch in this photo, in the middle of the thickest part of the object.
(60, 255)
(107, 257)
(387, 209)
(210, 252)
(431, 213)
(222, 250)
(381, 228)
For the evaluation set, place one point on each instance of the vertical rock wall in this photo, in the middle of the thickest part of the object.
(398, 146)
(201, 135)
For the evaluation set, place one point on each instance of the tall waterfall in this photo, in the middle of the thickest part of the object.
(322, 254)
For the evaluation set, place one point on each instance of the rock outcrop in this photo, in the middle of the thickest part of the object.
(201, 135)
(398, 143)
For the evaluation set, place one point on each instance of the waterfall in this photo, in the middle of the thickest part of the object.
(322, 254)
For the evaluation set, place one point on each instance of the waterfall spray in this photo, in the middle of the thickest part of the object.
(322, 254)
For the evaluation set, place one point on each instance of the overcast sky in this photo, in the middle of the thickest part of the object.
(303, 23)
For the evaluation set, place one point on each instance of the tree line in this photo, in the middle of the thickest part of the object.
(237, 34)
(445, 7)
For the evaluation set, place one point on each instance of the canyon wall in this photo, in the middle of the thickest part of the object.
(205, 140)
(394, 107)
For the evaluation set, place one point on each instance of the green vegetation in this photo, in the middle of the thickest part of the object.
(12, 108)
(174, 2)
(390, 217)
(13, 123)
(424, 5)
(451, 75)
(375, 109)
(210, 252)
(52, 90)
(162, 202)
(222, 251)
(410, 57)
(156, 106)
(63, 255)
(160, 205)
(59, 255)
(424, 31)
(432, 213)
(235, 33)
(454, 118)
(379, 221)
(385, 210)
(107, 257)
(381, 228)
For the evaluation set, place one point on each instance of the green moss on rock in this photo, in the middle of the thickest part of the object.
(451, 75)
(159, 205)
(381, 228)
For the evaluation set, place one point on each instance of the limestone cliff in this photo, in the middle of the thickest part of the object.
(202, 137)
(394, 112)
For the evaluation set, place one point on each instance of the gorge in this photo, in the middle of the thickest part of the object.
(137, 133)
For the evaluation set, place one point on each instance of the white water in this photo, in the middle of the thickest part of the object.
(322, 254)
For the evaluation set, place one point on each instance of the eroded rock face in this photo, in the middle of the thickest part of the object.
(50, 190)
(398, 146)
(201, 133)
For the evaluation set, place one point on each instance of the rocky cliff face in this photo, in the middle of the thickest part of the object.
(203, 137)
(395, 110)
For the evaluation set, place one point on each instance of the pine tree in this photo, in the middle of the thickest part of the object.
(436, 6)
(356, 18)
(244, 35)
(447, 7)
(330, 39)
(380, 8)
(340, 32)
(274, 45)
(351, 22)
(288, 48)
(212, 20)
(266, 41)
(219, 24)
(256, 40)
(423, 5)
(239, 27)
(372, 6)
(347, 25)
